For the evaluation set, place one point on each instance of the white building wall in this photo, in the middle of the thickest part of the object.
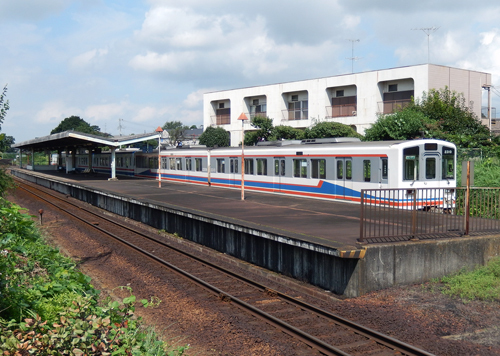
(369, 88)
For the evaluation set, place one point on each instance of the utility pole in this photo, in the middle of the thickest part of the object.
(427, 31)
(120, 126)
(352, 55)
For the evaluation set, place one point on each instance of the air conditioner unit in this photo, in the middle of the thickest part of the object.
(354, 113)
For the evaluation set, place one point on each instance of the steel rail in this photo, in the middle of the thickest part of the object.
(310, 340)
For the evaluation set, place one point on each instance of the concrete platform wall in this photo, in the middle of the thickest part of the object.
(383, 266)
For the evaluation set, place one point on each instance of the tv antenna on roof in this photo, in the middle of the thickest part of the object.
(353, 58)
(427, 31)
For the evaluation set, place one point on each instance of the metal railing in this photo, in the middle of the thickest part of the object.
(402, 214)
(391, 106)
(341, 110)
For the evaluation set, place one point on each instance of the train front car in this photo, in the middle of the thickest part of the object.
(426, 174)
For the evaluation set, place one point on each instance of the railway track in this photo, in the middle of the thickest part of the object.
(321, 330)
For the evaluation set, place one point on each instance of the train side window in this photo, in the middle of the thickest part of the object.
(261, 166)
(318, 168)
(279, 167)
(199, 164)
(233, 165)
(385, 168)
(430, 168)
(221, 165)
(189, 164)
(367, 170)
(172, 164)
(248, 165)
(340, 169)
(300, 168)
(179, 164)
(348, 169)
(164, 163)
(153, 162)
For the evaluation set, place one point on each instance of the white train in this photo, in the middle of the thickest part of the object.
(323, 168)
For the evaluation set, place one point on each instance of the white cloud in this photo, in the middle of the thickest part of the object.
(89, 58)
(53, 112)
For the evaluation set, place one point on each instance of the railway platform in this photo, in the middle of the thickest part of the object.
(308, 239)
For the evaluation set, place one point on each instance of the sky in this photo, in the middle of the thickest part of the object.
(131, 66)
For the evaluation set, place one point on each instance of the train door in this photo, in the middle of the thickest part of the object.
(344, 177)
(279, 173)
(234, 172)
(432, 168)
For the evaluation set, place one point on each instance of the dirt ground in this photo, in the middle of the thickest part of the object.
(418, 315)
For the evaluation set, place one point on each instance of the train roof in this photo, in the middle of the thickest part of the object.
(321, 143)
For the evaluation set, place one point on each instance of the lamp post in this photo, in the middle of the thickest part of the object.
(159, 130)
(242, 117)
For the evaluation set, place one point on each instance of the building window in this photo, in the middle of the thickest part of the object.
(221, 105)
(298, 110)
(339, 93)
(393, 87)
(295, 98)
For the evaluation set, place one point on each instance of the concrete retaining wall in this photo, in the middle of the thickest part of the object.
(383, 266)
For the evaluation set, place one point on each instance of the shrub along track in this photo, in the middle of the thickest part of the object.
(268, 301)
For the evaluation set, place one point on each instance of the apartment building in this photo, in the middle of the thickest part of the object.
(351, 99)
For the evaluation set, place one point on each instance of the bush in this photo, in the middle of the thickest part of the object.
(48, 307)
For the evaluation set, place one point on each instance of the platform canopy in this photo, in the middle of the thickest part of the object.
(66, 139)
(72, 140)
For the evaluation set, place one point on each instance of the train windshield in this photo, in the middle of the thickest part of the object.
(410, 163)
(448, 163)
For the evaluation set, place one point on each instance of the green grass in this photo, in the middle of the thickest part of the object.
(481, 284)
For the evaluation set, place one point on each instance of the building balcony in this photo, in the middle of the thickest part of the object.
(341, 110)
(221, 119)
(295, 115)
(258, 114)
(391, 106)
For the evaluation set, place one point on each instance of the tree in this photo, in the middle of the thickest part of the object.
(76, 123)
(175, 131)
(330, 129)
(283, 132)
(4, 105)
(441, 113)
(402, 125)
(215, 136)
(452, 119)
(266, 130)
(6, 143)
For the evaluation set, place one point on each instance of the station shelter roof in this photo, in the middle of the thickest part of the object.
(68, 139)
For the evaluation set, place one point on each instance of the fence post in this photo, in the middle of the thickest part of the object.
(361, 218)
(467, 202)
(414, 214)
